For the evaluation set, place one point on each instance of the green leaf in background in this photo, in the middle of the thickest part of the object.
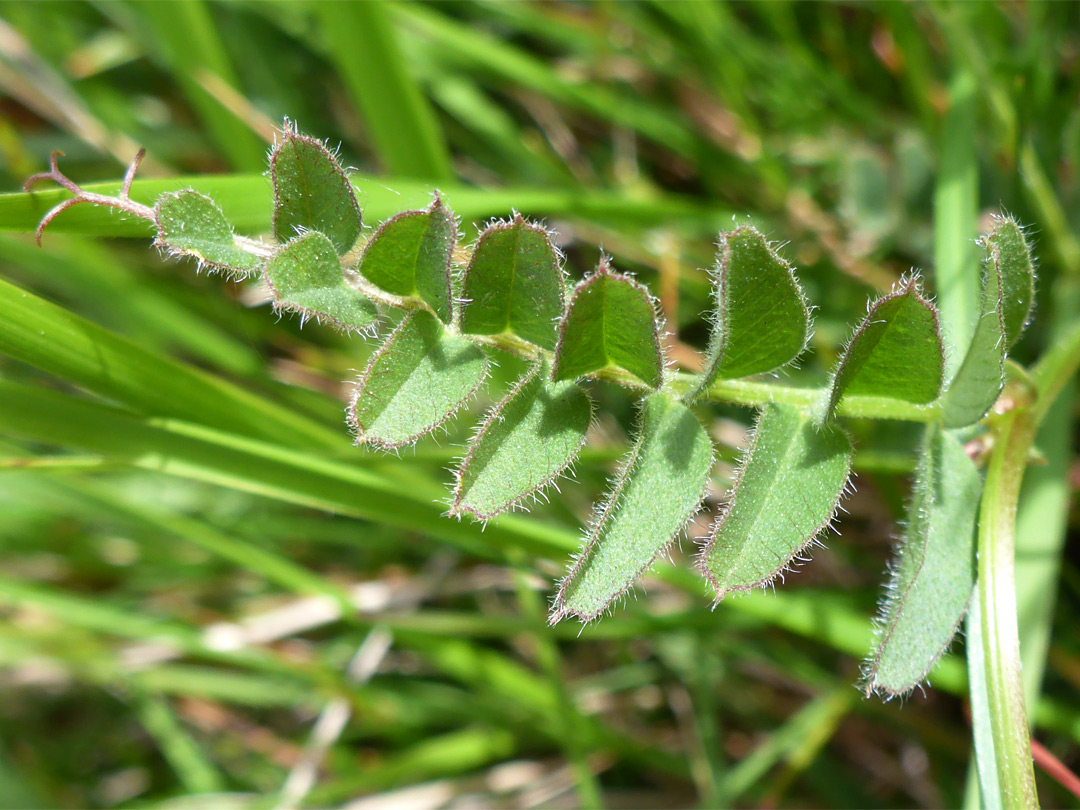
(416, 381)
(610, 322)
(312, 192)
(1008, 291)
(762, 321)
(525, 443)
(191, 224)
(305, 276)
(896, 352)
(409, 255)
(934, 574)
(513, 284)
(658, 489)
(785, 495)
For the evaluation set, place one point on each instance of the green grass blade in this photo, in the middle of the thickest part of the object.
(183, 37)
(268, 470)
(956, 210)
(184, 754)
(363, 43)
(42, 334)
(988, 783)
(248, 204)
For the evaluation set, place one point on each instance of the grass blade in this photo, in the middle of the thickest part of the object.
(363, 43)
(59, 342)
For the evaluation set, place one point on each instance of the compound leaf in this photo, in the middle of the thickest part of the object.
(1008, 290)
(414, 382)
(312, 193)
(525, 443)
(659, 487)
(192, 224)
(785, 494)
(896, 352)
(305, 276)
(934, 575)
(610, 322)
(409, 255)
(513, 284)
(762, 321)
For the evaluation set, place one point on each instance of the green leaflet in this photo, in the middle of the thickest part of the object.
(415, 381)
(1008, 290)
(305, 276)
(1010, 253)
(191, 224)
(762, 321)
(786, 493)
(658, 489)
(932, 581)
(611, 321)
(513, 284)
(409, 255)
(896, 352)
(312, 193)
(525, 443)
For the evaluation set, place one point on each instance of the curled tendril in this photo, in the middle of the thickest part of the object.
(122, 200)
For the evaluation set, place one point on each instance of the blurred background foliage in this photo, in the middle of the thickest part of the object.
(183, 523)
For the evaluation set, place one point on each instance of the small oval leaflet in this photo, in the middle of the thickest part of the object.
(409, 255)
(414, 383)
(525, 443)
(610, 322)
(305, 276)
(931, 582)
(658, 489)
(762, 321)
(513, 284)
(312, 193)
(1008, 290)
(785, 495)
(896, 351)
(191, 224)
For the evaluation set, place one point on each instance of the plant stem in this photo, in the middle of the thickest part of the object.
(997, 605)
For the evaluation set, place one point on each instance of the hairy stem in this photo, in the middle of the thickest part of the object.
(997, 606)
(997, 612)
